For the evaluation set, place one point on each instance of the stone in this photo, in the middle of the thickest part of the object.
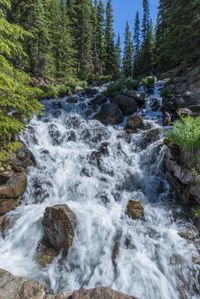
(126, 104)
(139, 97)
(148, 137)
(135, 122)
(59, 225)
(91, 91)
(45, 253)
(6, 205)
(16, 287)
(99, 293)
(98, 100)
(15, 186)
(4, 223)
(184, 112)
(110, 114)
(135, 210)
(72, 99)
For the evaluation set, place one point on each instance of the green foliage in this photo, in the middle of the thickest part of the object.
(70, 86)
(196, 212)
(149, 81)
(166, 92)
(185, 133)
(7, 150)
(177, 38)
(115, 88)
(128, 53)
(17, 98)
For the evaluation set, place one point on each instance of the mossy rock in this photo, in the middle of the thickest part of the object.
(135, 210)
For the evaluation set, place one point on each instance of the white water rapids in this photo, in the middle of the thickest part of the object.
(154, 262)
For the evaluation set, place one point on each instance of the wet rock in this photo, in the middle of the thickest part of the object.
(103, 149)
(135, 122)
(24, 158)
(6, 205)
(72, 99)
(148, 137)
(155, 105)
(99, 293)
(45, 255)
(139, 97)
(4, 223)
(135, 209)
(115, 253)
(91, 91)
(109, 114)
(98, 100)
(126, 104)
(59, 225)
(15, 186)
(5, 175)
(16, 287)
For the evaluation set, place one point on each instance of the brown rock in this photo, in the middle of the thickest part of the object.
(4, 222)
(31, 290)
(135, 209)
(45, 254)
(6, 205)
(100, 293)
(15, 186)
(59, 225)
(134, 122)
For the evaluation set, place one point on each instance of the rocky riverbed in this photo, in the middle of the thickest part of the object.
(96, 208)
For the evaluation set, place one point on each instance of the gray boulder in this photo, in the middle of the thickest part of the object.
(109, 114)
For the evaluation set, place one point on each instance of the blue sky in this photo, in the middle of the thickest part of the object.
(125, 10)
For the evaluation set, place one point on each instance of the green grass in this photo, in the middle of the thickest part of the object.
(196, 212)
(149, 81)
(120, 85)
(185, 133)
(57, 90)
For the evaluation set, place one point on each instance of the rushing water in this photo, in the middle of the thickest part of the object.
(154, 262)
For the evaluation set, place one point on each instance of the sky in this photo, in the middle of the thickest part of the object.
(125, 10)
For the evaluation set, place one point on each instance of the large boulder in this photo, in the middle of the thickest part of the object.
(126, 104)
(148, 137)
(110, 114)
(98, 100)
(139, 97)
(100, 293)
(59, 225)
(134, 122)
(15, 186)
(135, 209)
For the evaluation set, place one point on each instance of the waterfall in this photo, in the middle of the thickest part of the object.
(96, 170)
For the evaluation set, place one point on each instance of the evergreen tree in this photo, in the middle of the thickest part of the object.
(128, 53)
(82, 31)
(30, 15)
(100, 36)
(16, 97)
(95, 50)
(118, 60)
(137, 36)
(146, 20)
(178, 33)
(109, 41)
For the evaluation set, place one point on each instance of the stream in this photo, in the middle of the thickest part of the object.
(154, 261)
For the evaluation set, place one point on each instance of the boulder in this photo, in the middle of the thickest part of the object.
(135, 209)
(126, 104)
(15, 186)
(24, 158)
(99, 293)
(91, 91)
(110, 114)
(6, 205)
(98, 100)
(4, 223)
(182, 112)
(139, 97)
(59, 225)
(148, 137)
(135, 122)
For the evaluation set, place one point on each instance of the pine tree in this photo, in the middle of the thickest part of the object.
(180, 39)
(137, 35)
(100, 36)
(60, 40)
(109, 41)
(146, 19)
(16, 97)
(82, 31)
(95, 50)
(30, 15)
(118, 59)
(128, 53)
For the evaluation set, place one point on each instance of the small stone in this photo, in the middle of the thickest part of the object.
(135, 122)
(135, 209)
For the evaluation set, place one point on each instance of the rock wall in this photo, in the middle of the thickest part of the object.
(182, 170)
(182, 89)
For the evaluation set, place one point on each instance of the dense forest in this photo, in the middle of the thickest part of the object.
(56, 41)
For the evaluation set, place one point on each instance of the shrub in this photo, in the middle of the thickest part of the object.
(186, 133)
(6, 151)
(149, 81)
